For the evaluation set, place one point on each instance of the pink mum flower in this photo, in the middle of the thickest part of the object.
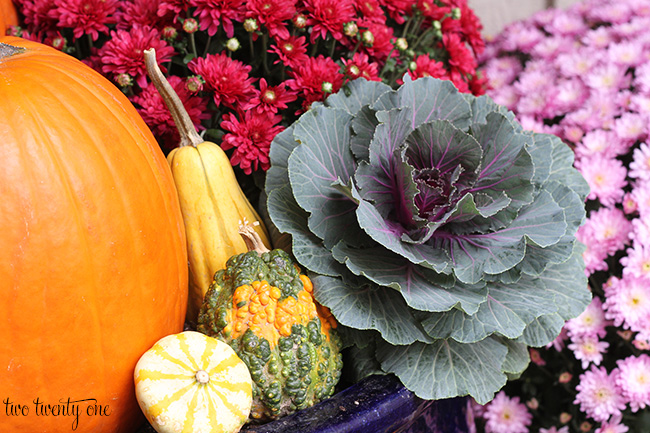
(41, 15)
(214, 13)
(568, 95)
(599, 396)
(381, 41)
(630, 127)
(588, 349)
(612, 426)
(554, 429)
(316, 79)
(460, 57)
(522, 37)
(634, 380)
(89, 17)
(640, 167)
(637, 261)
(506, 415)
(606, 178)
(607, 77)
(568, 24)
(251, 138)
(640, 103)
(142, 12)
(600, 142)
(361, 66)
(577, 63)
(598, 38)
(606, 12)
(609, 227)
(552, 46)
(642, 77)
(625, 53)
(502, 70)
(292, 50)
(123, 53)
(270, 98)
(273, 14)
(627, 303)
(641, 196)
(640, 230)
(328, 16)
(425, 66)
(172, 7)
(591, 322)
(227, 78)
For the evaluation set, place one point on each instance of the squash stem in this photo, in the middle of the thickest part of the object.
(182, 120)
(251, 238)
(202, 377)
(7, 50)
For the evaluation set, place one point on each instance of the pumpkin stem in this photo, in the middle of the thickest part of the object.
(7, 50)
(202, 377)
(251, 237)
(182, 120)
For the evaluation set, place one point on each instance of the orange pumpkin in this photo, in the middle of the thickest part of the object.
(8, 15)
(93, 259)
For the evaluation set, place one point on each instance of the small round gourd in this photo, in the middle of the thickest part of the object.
(192, 383)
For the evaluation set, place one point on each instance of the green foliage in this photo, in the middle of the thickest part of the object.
(435, 228)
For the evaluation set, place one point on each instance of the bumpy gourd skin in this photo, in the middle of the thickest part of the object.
(262, 306)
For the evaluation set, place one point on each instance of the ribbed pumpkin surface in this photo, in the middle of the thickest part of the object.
(93, 260)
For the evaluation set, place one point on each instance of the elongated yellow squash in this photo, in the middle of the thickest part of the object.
(212, 202)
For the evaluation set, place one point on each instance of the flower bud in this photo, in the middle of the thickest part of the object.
(268, 96)
(585, 426)
(413, 66)
(194, 83)
(251, 25)
(532, 404)
(437, 29)
(350, 29)
(625, 334)
(327, 87)
(455, 13)
(629, 204)
(190, 25)
(353, 71)
(300, 21)
(401, 44)
(565, 417)
(232, 44)
(59, 42)
(368, 38)
(124, 80)
(169, 33)
(565, 377)
(15, 31)
(536, 357)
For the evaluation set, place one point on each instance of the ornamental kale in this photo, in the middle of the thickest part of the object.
(440, 233)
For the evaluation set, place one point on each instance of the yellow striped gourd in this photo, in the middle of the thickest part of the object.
(192, 383)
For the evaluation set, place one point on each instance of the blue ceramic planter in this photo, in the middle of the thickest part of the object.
(377, 404)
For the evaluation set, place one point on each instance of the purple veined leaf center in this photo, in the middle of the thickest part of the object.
(439, 192)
